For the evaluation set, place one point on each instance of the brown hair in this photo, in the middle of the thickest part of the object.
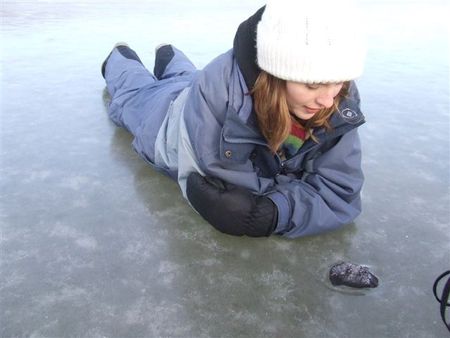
(272, 111)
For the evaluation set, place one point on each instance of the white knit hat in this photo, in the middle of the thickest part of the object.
(311, 41)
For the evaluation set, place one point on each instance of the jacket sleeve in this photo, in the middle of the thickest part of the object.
(328, 197)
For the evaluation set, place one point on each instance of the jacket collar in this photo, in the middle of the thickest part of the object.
(347, 117)
(242, 126)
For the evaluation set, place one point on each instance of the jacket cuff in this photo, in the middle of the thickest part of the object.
(283, 211)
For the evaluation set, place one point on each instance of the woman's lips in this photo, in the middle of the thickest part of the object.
(312, 110)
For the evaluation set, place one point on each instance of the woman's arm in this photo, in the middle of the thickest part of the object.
(328, 198)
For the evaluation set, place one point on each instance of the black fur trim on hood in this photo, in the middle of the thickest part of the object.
(244, 48)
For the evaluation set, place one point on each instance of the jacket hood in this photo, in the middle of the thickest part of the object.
(244, 48)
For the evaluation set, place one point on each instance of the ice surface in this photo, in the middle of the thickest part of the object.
(94, 243)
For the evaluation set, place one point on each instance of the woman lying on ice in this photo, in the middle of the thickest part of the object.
(264, 139)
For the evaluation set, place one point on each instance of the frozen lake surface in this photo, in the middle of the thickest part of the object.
(96, 244)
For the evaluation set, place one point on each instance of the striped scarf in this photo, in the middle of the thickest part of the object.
(294, 141)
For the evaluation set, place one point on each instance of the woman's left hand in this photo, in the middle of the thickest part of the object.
(231, 209)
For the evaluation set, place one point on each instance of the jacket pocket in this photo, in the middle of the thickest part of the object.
(235, 152)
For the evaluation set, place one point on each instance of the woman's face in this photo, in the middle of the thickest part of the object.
(306, 100)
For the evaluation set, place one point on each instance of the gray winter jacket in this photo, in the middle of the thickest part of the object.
(190, 120)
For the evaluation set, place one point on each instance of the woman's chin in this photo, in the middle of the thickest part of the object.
(303, 116)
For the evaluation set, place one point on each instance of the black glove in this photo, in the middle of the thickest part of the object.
(231, 209)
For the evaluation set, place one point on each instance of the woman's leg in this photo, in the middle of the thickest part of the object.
(125, 75)
(124, 71)
(170, 62)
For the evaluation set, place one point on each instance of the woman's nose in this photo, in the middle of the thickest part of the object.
(326, 97)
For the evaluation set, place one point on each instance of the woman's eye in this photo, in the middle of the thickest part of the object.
(312, 86)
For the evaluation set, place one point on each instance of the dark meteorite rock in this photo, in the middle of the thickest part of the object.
(355, 276)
